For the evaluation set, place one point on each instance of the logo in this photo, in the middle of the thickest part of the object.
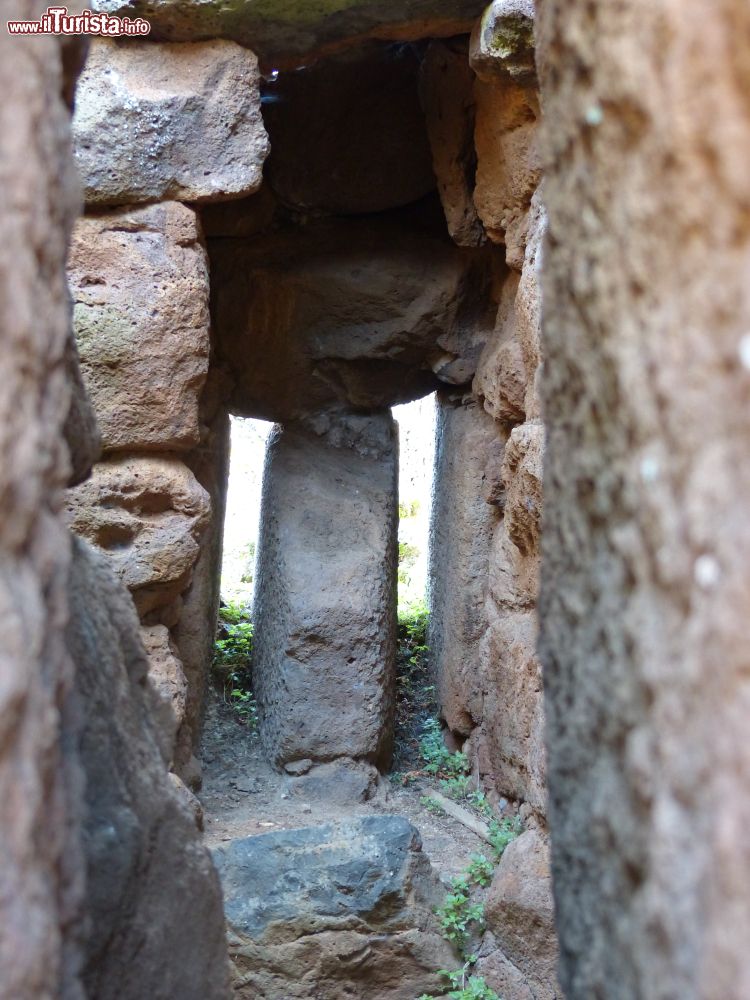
(57, 21)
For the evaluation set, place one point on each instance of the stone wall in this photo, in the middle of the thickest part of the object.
(102, 863)
(646, 542)
(139, 278)
(153, 920)
(41, 869)
(482, 109)
(482, 106)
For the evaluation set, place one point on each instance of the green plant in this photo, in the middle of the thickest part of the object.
(458, 913)
(438, 759)
(432, 805)
(412, 632)
(243, 702)
(480, 870)
(407, 509)
(407, 557)
(502, 832)
(458, 787)
(465, 986)
(232, 660)
(480, 802)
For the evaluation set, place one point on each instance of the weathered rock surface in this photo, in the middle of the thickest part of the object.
(646, 543)
(520, 914)
(342, 781)
(153, 903)
(508, 161)
(502, 378)
(351, 313)
(81, 430)
(159, 122)
(195, 631)
(368, 95)
(330, 912)
(510, 738)
(447, 92)
(139, 281)
(41, 866)
(325, 605)
(285, 31)
(167, 678)
(503, 41)
(148, 515)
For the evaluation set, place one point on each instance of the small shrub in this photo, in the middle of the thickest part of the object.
(232, 660)
(502, 832)
(480, 870)
(407, 509)
(407, 557)
(438, 759)
(458, 913)
(458, 787)
(465, 986)
(480, 802)
(234, 645)
(432, 805)
(412, 630)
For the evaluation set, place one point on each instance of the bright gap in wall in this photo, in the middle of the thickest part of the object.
(416, 423)
(242, 521)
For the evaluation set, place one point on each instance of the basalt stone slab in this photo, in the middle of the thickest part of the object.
(355, 313)
(154, 122)
(286, 30)
(342, 910)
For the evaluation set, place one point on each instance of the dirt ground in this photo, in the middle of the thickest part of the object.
(242, 796)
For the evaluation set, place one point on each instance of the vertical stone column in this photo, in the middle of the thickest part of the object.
(460, 535)
(646, 544)
(325, 611)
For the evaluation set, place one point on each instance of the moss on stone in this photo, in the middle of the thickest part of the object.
(512, 36)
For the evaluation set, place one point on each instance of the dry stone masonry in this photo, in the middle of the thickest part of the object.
(335, 292)
(309, 213)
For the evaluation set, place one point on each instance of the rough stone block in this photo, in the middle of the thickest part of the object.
(168, 681)
(139, 281)
(325, 607)
(285, 31)
(520, 913)
(148, 515)
(508, 161)
(503, 41)
(447, 92)
(335, 911)
(155, 122)
(153, 903)
(346, 313)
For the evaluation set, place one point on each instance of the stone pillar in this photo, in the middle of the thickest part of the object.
(645, 583)
(460, 534)
(325, 611)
